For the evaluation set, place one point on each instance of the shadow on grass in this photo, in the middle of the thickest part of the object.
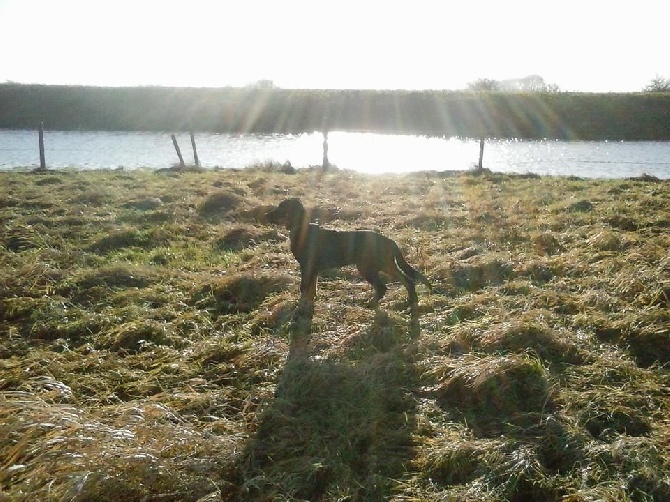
(335, 429)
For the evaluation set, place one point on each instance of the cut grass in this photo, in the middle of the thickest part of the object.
(152, 346)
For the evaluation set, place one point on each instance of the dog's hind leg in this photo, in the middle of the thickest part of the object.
(411, 292)
(372, 276)
(397, 275)
(410, 287)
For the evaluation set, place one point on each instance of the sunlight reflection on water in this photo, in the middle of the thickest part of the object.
(365, 152)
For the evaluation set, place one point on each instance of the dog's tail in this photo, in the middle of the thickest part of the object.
(407, 269)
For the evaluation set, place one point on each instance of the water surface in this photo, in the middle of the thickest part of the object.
(365, 152)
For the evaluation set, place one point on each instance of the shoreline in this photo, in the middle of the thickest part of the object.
(287, 168)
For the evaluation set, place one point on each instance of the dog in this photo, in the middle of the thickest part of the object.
(318, 249)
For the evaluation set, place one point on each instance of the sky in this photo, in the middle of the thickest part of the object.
(585, 45)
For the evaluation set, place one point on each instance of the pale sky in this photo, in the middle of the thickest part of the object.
(579, 45)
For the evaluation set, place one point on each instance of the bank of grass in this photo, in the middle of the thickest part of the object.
(520, 115)
(151, 347)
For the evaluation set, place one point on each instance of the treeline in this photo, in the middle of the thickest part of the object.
(639, 116)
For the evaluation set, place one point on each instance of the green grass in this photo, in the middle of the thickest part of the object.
(151, 347)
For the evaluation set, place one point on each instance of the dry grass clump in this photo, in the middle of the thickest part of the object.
(494, 390)
(606, 409)
(21, 239)
(49, 180)
(113, 277)
(239, 293)
(622, 222)
(546, 244)
(127, 238)
(153, 346)
(539, 270)
(605, 241)
(649, 345)
(256, 214)
(458, 461)
(93, 197)
(144, 204)
(534, 337)
(273, 315)
(125, 453)
(473, 276)
(460, 467)
(219, 204)
(274, 167)
(241, 237)
(601, 421)
(580, 206)
(133, 336)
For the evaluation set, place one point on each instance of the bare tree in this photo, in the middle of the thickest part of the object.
(658, 84)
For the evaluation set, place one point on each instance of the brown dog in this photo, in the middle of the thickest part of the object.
(318, 249)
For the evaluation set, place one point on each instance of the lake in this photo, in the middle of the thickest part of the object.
(365, 152)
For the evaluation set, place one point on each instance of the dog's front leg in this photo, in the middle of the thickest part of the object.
(308, 285)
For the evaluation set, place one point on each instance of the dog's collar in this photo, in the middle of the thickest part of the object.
(299, 235)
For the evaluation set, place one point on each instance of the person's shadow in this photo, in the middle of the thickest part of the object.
(336, 429)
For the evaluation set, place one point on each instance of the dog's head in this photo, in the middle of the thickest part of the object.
(289, 212)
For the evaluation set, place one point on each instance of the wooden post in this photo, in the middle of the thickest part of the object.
(176, 147)
(326, 163)
(480, 166)
(195, 152)
(43, 162)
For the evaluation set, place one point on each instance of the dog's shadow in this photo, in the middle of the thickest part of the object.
(300, 329)
(336, 428)
(383, 333)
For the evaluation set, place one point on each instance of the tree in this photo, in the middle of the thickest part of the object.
(658, 84)
(484, 84)
(263, 84)
(531, 83)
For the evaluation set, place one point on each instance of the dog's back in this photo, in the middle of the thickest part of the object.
(337, 248)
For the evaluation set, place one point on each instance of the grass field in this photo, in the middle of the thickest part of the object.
(150, 347)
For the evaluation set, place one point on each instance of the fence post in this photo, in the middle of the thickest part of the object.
(43, 162)
(326, 163)
(195, 152)
(176, 147)
(480, 166)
